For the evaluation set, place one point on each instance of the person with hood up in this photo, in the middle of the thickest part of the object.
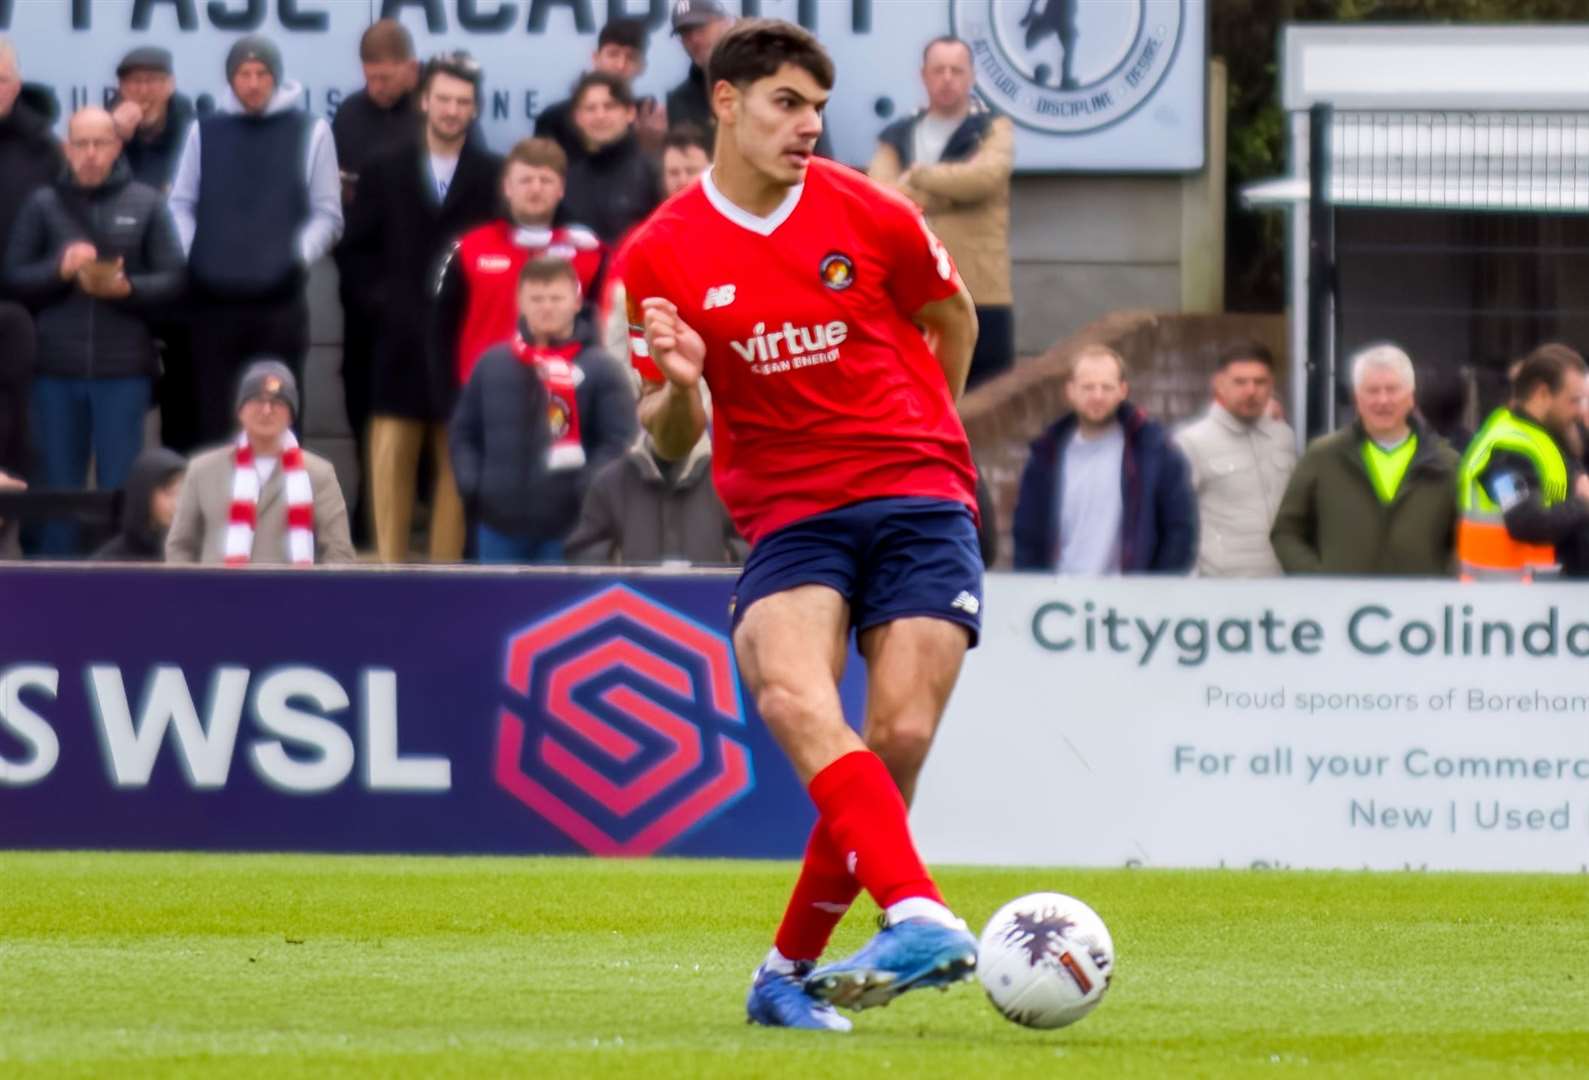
(93, 255)
(148, 503)
(257, 200)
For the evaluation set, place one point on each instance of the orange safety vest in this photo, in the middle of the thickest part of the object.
(1484, 548)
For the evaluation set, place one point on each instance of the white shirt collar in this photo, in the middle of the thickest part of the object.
(761, 226)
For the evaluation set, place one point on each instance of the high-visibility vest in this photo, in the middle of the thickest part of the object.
(1484, 548)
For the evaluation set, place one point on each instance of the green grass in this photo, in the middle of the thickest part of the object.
(127, 965)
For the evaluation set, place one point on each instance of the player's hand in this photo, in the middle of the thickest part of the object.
(677, 351)
(76, 256)
(125, 118)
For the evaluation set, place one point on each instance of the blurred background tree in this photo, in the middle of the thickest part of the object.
(1246, 34)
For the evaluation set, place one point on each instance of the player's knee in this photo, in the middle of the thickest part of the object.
(902, 742)
(786, 706)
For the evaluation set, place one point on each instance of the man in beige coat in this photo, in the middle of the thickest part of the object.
(953, 159)
(1241, 460)
(261, 498)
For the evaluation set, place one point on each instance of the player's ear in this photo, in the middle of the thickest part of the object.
(725, 100)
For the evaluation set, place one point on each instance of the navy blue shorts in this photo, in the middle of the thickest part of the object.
(889, 558)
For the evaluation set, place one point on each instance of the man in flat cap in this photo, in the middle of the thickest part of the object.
(257, 200)
(261, 498)
(151, 117)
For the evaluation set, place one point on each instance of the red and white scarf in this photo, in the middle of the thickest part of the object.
(561, 376)
(245, 504)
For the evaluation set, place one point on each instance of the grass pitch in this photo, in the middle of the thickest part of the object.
(128, 965)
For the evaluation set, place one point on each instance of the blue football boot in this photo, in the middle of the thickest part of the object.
(911, 954)
(780, 1000)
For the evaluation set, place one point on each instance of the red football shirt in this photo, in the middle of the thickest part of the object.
(824, 392)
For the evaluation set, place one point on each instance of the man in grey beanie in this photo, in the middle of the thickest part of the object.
(257, 200)
(262, 498)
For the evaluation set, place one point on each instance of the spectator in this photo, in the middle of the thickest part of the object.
(613, 185)
(1375, 497)
(538, 417)
(148, 503)
(698, 24)
(644, 508)
(686, 154)
(262, 498)
(1105, 490)
(92, 255)
(1524, 498)
(1442, 402)
(1240, 458)
(413, 202)
(953, 159)
(152, 119)
(620, 51)
(378, 119)
(477, 304)
(257, 201)
(16, 373)
(29, 156)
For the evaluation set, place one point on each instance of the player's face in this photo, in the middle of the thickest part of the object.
(947, 77)
(150, 91)
(777, 121)
(1096, 389)
(254, 85)
(601, 118)
(387, 80)
(449, 106)
(1384, 401)
(549, 307)
(532, 192)
(1244, 389)
(620, 60)
(680, 166)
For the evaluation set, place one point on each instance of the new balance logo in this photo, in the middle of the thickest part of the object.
(718, 296)
(967, 603)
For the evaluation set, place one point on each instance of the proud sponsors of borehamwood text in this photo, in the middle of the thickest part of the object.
(1455, 630)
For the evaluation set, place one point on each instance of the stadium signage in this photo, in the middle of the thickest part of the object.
(543, 712)
(1138, 65)
(1326, 723)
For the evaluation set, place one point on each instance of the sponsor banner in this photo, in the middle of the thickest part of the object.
(535, 712)
(1297, 723)
(1115, 85)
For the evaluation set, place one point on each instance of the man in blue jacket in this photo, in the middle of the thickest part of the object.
(1105, 490)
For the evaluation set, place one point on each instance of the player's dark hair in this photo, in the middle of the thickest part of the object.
(386, 40)
(1546, 366)
(685, 135)
(1245, 351)
(548, 268)
(538, 153)
(457, 65)
(617, 86)
(625, 33)
(945, 39)
(757, 48)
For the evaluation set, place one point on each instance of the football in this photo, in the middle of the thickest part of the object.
(1045, 960)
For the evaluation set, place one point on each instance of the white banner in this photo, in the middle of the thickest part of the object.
(1129, 98)
(1287, 723)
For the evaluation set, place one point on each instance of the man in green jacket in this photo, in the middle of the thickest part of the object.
(1377, 497)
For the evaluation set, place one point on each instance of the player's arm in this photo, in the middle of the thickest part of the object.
(672, 410)
(951, 325)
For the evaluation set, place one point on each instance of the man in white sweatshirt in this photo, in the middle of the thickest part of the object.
(1241, 458)
(257, 200)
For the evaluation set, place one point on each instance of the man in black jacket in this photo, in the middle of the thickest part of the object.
(620, 51)
(92, 255)
(148, 503)
(29, 156)
(698, 24)
(613, 185)
(413, 202)
(151, 117)
(538, 417)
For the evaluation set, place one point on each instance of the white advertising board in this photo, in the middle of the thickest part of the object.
(1286, 723)
(1129, 98)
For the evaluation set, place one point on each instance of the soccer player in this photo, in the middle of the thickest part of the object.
(799, 290)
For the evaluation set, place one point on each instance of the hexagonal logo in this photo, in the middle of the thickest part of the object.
(623, 725)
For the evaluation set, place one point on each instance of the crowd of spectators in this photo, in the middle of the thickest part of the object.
(158, 257)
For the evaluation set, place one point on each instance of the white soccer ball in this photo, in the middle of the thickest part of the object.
(1045, 960)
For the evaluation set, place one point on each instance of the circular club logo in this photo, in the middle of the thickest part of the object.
(837, 270)
(1068, 67)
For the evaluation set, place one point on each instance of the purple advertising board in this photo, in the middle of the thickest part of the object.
(385, 711)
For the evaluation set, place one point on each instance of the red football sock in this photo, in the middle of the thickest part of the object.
(822, 895)
(866, 822)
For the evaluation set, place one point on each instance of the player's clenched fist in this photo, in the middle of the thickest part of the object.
(678, 351)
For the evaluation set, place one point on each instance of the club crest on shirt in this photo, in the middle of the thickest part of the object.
(837, 270)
